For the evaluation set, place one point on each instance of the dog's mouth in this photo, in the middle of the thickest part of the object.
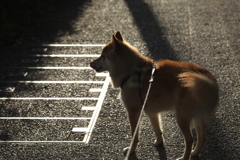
(98, 69)
(94, 66)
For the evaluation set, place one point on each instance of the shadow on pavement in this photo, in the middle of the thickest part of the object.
(25, 24)
(162, 152)
(218, 145)
(133, 157)
(152, 33)
(151, 30)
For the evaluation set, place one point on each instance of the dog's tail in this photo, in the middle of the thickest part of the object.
(203, 88)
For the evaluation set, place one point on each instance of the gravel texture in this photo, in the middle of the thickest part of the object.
(203, 32)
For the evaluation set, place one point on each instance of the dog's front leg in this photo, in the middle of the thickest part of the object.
(133, 119)
(155, 121)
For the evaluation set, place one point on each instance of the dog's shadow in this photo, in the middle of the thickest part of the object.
(162, 152)
(133, 157)
(163, 156)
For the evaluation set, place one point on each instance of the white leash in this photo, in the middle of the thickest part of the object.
(143, 106)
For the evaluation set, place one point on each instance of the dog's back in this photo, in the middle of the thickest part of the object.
(186, 86)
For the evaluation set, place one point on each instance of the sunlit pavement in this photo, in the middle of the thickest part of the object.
(53, 106)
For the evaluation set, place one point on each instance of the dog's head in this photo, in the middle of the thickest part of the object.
(108, 56)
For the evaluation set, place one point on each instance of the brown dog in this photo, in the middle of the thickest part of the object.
(188, 89)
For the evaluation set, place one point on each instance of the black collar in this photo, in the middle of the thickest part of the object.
(128, 77)
(139, 82)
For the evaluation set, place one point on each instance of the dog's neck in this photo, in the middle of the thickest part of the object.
(121, 76)
(118, 80)
(129, 76)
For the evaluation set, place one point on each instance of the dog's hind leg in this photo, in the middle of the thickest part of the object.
(200, 127)
(184, 125)
(155, 121)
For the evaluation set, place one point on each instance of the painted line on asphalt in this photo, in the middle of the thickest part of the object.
(88, 108)
(87, 130)
(102, 74)
(58, 82)
(96, 111)
(46, 98)
(42, 142)
(83, 129)
(95, 90)
(74, 45)
(54, 55)
(46, 118)
(80, 68)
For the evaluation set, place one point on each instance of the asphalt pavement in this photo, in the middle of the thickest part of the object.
(203, 32)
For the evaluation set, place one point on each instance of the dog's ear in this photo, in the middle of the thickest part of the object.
(119, 36)
(117, 39)
(115, 42)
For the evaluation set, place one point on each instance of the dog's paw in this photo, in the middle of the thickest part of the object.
(194, 153)
(182, 158)
(125, 150)
(158, 142)
(194, 158)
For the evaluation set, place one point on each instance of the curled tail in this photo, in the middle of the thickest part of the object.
(203, 88)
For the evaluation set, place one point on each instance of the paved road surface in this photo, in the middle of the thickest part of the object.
(204, 32)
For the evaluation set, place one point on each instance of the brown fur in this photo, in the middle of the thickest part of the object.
(188, 89)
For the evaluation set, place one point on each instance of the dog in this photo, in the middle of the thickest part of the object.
(186, 88)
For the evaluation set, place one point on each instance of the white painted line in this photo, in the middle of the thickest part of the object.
(88, 130)
(55, 55)
(67, 55)
(45, 118)
(52, 67)
(74, 45)
(42, 142)
(76, 129)
(46, 98)
(95, 90)
(88, 108)
(64, 82)
(102, 74)
(97, 110)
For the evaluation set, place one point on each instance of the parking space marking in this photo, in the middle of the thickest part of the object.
(46, 118)
(42, 142)
(84, 129)
(73, 45)
(102, 74)
(47, 98)
(95, 109)
(78, 68)
(88, 108)
(95, 90)
(58, 82)
(55, 55)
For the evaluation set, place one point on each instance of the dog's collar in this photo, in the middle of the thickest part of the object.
(139, 83)
(139, 80)
(128, 77)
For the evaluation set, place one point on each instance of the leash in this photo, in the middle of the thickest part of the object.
(143, 106)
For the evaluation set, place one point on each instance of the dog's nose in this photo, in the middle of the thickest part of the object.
(92, 64)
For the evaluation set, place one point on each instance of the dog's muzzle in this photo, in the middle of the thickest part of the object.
(92, 65)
